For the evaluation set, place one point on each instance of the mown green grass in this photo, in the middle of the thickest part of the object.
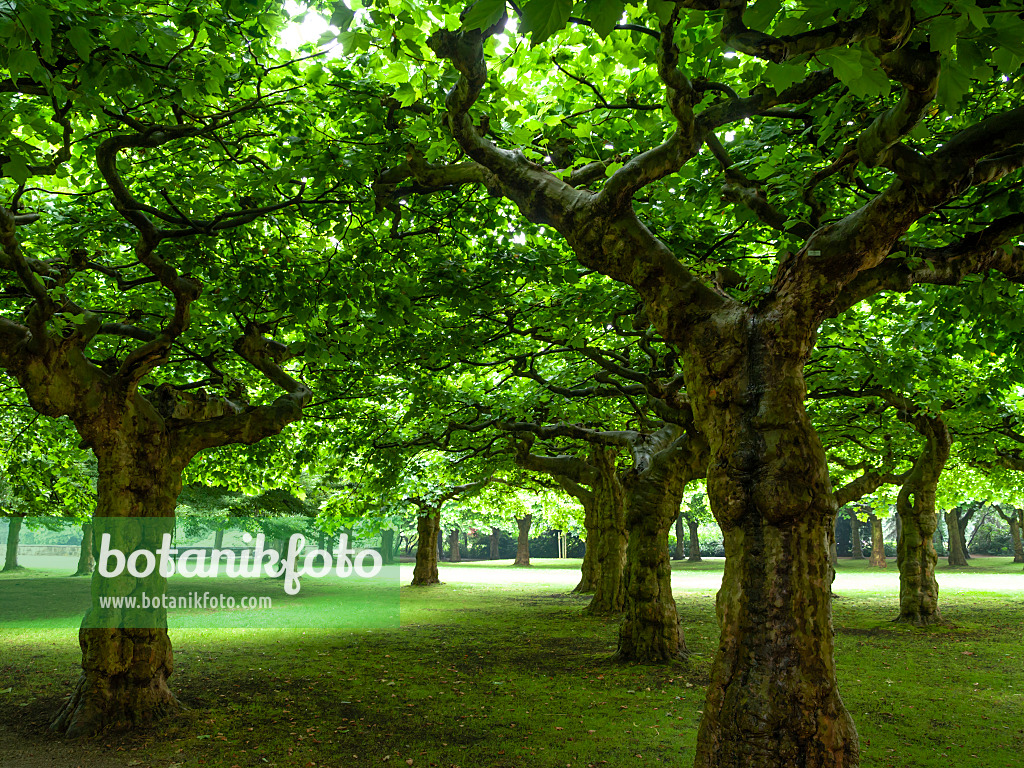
(497, 668)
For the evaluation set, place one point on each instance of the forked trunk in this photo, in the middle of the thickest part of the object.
(855, 546)
(86, 561)
(523, 540)
(773, 700)
(694, 541)
(454, 548)
(425, 571)
(495, 542)
(650, 631)
(127, 658)
(13, 538)
(610, 552)
(680, 538)
(877, 543)
(915, 552)
(956, 558)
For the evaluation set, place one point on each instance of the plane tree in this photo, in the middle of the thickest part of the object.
(865, 149)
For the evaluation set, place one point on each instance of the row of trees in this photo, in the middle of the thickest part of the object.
(612, 248)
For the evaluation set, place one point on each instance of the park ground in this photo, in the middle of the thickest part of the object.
(497, 668)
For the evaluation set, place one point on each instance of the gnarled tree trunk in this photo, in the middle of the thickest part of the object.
(915, 553)
(523, 540)
(650, 631)
(610, 552)
(956, 558)
(428, 527)
(13, 538)
(877, 542)
(680, 538)
(589, 569)
(773, 700)
(86, 561)
(694, 541)
(1018, 548)
(127, 657)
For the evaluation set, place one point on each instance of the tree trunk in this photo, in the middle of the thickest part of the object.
(680, 538)
(610, 552)
(956, 557)
(523, 541)
(915, 553)
(694, 541)
(440, 541)
(589, 569)
(127, 657)
(86, 561)
(650, 632)
(1018, 548)
(13, 537)
(495, 543)
(428, 527)
(773, 699)
(961, 527)
(877, 543)
(833, 549)
(218, 540)
(387, 545)
(856, 552)
(454, 550)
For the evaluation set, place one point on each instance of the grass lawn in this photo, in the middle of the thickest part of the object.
(496, 668)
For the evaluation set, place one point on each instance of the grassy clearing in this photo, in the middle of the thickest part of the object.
(497, 669)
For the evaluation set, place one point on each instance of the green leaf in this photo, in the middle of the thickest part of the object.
(781, 76)
(542, 18)
(760, 16)
(662, 8)
(845, 63)
(16, 169)
(484, 14)
(342, 16)
(81, 40)
(954, 82)
(942, 34)
(604, 14)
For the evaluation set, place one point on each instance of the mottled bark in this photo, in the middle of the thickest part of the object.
(856, 552)
(495, 543)
(589, 568)
(86, 561)
(694, 541)
(680, 538)
(610, 552)
(773, 700)
(454, 550)
(425, 571)
(877, 542)
(125, 666)
(1018, 547)
(956, 549)
(915, 553)
(523, 540)
(13, 538)
(833, 549)
(962, 521)
(650, 630)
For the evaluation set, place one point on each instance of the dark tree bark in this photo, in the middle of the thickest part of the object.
(915, 553)
(856, 552)
(664, 464)
(387, 545)
(495, 543)
(680, 538)
(694, 541)
(1013, 520)
(610, 553)
(86, 561)
(956, 557)
(454, 548)
(523, 541)
(218, 539)
(428, 527)
(13, 538)
(589, 569)
(962, 521)
(877, 542)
